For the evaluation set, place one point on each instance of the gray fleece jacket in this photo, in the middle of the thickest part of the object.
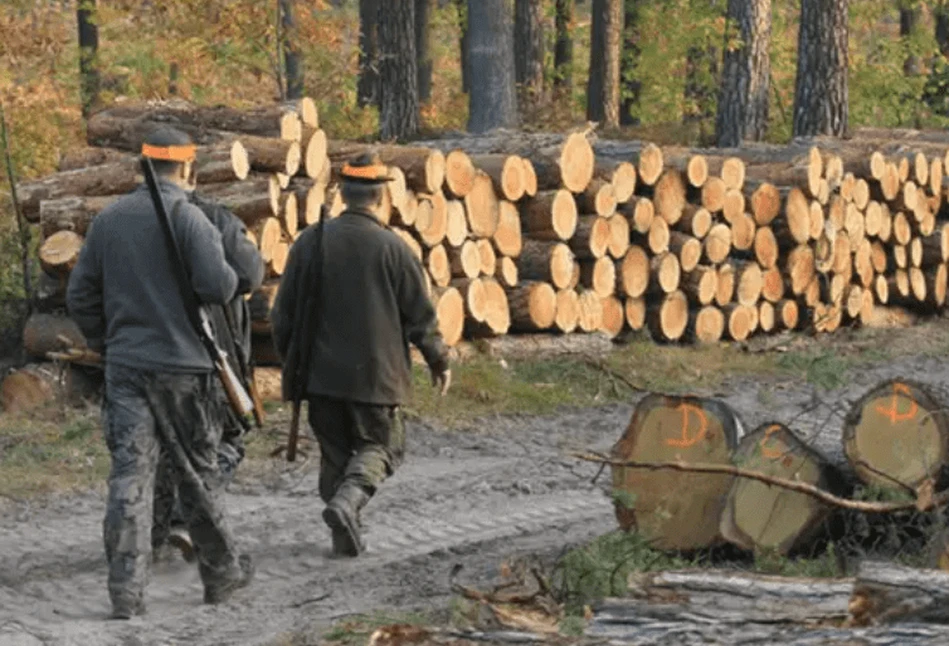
(123, 294)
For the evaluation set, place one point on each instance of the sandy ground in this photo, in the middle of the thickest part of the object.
(505, 486)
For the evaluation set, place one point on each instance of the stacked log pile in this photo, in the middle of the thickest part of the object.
(537, 233)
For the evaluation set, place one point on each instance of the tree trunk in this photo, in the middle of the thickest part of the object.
(493, 101)
(291, 53)
(563, 50)
(88, 49)
(942, 29)
(367, 90)
(529, 50)
(887, 593)
(423, 47)
(821, 88)
(603, 95)
(909, 17)
(743, 100)
(462, 8)
(398, 71)
(629, 61)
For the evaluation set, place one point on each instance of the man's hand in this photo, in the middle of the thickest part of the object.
(441, 380)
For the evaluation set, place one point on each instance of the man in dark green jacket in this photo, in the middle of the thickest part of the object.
(372, 303)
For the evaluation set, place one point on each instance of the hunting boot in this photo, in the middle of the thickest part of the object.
(342, 517)
(221, 592)
(179, 537)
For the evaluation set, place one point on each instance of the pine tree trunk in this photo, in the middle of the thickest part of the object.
(529, 50)
(367, 90)
(629, 61)
(821, 88)
(398, 71)
(462, 8)
(493, 102)
(603, 85)
(942, 29)
(909, 17)
(291, 55)
(563, 51)
(88, 48)
(423, 47)
(743, 100)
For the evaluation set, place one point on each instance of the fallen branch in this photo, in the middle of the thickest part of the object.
(924, 501)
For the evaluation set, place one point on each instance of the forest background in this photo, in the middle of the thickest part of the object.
(227, 52)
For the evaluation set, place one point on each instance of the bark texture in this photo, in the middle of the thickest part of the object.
(423, 47)
(88, 48)
(367, 90)
(529, 49)
(821, 89)
(398, 71)
(493, 102)
(563, 50)
(743, 100)
(603, 98)
(291, 54)
(629, 63)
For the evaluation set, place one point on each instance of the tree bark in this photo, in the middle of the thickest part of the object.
(493, 102)
(291, 54)
(942, 29)
(398, 70)
(603, 96)
(529, 50)
(462, 8)
(423, 47)
(88, 49)
(563, 50)
(629, 62)
(821, 88)
(367, 89)
(909, 17)
(743, 100)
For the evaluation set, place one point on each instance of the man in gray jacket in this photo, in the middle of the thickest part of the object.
(161, 391)
(372, 304)
(232, 330)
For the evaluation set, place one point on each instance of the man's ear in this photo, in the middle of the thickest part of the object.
(188, 172)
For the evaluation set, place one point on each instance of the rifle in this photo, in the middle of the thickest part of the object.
(298, 362)
(240, 401)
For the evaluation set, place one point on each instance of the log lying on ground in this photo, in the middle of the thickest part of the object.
(90, 156)
(44, 333)
(895, 436)
(40, 384)
(424, 168)
(886, 593)
(758, 516)
(728, 597)
(539, 346)
(675, 511)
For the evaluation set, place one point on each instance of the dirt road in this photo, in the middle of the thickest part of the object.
(504, 486)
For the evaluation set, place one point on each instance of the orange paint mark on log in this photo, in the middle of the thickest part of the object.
(771, 454)
(688, 440)
(893, 411)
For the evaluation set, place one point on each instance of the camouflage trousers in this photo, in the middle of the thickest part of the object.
(145, 413)
(169, 513)
(361, 443)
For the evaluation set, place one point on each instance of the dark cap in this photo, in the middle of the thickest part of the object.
(366, 169)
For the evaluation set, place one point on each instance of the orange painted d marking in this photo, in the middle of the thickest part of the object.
(893, 411)
(686, 440)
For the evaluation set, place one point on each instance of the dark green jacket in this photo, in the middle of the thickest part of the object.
(374, 303)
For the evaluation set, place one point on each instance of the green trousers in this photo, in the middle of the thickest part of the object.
(360, 443)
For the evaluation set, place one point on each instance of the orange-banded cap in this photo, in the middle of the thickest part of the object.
(179, 154)
(372, 173)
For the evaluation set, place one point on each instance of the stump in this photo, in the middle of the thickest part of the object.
(897, 433)
(760, 516)
(671, 509)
